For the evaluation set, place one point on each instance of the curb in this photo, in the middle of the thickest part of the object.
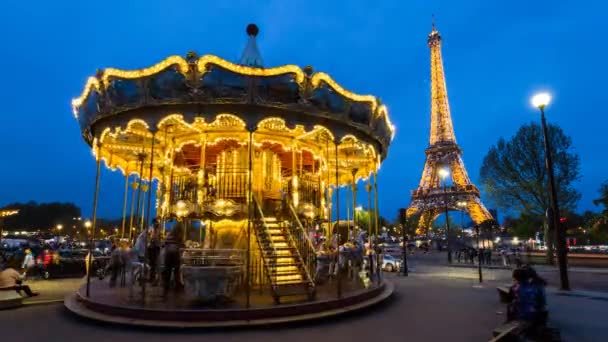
(75, 306)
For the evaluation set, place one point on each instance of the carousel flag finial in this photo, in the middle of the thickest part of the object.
(251, 55)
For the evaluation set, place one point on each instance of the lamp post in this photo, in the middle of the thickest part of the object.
(462, 205)
(444, 173)
(540, 101)
(478, 255)
(403, 219)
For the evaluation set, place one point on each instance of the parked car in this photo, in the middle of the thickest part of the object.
(71, 263)
(390, 263)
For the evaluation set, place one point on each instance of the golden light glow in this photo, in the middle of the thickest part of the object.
(321, 76)
(383, 112)
(245, 70)
(92, 82)
(130, 74)
(541, 100)
(443, 173)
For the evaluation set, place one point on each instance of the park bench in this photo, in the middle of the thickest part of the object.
(515, 330)
(10, 298)
(504, 294)
(510, 331)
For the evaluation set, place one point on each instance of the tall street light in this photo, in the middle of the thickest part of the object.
(540, 101)
(444, 173)
(462, 205)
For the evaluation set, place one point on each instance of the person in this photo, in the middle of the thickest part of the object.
(154, 249)
(10, 278)
(527, 295)
(173, 243)
(28, 260)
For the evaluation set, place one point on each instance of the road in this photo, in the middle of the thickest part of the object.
(434, 303)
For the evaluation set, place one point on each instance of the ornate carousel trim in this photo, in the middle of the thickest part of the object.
(149, 71)
(202, 63)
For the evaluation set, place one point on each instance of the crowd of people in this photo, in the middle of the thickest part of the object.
(487, 256)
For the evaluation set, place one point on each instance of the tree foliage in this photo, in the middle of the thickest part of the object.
(513, 173)
(41, 216)
(603, 199)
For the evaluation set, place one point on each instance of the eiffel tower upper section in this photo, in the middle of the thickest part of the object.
(444, 153)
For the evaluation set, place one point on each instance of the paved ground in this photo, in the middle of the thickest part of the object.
(435, 303)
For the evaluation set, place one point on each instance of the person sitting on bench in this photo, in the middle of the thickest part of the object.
(11, 279)
(528, 302)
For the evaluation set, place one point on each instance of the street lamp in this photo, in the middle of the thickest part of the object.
(444, 173)
(87, 224)
(478, 255)
(59, 227)
(540, 101)
(462, 205)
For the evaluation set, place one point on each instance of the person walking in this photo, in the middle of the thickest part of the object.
(173, 243)
(154, 250)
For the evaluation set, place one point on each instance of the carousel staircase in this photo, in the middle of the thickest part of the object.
(283, 264)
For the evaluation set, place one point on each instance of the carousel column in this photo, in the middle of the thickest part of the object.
(134, 186)
(369, 224)
(338, 275)
(354, 190)
(145, 187)
(141, 157)
(150, 175)
(250, 209)
(376, 223)
(91, 241)
(201, 173)
(294, 178)
(124, 207)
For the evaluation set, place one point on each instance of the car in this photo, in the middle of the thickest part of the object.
(390, 263)
(71, 263)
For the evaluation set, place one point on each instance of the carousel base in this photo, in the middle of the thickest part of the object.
(106, 309)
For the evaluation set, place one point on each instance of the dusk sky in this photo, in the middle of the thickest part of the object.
(496, 55)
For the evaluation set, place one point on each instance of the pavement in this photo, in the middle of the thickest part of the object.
(434, 303)
(52, 290)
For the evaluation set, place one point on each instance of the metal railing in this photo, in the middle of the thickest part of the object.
(213, 257)
(261, 232)
(304, 246)
(229, 183)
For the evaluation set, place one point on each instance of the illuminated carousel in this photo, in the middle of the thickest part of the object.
(248, 160)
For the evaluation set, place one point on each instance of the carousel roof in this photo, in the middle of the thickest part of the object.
(203, 88)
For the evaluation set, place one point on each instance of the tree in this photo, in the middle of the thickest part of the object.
(603, 200)
(44, 216)
(514, 176)
(525, 226)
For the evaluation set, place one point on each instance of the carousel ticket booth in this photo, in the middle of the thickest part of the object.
(246, 156)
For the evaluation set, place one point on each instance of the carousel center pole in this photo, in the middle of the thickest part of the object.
(92, 240)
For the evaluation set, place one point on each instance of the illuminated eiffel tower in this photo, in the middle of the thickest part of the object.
(443, 154)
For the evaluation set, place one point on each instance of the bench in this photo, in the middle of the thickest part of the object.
(510, 331)
(10, 298)
(504, 294)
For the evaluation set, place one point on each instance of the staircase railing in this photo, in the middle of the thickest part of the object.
(269, 264)
(303, 244)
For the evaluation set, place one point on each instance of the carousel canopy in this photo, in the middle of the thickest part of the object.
(203, 88)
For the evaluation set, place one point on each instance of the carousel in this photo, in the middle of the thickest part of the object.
(251, 161)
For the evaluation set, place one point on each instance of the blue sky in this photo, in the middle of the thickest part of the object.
(496, 54)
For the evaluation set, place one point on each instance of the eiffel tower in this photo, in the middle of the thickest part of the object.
(433, 196)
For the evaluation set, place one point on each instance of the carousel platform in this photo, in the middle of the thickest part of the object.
(112, 305)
